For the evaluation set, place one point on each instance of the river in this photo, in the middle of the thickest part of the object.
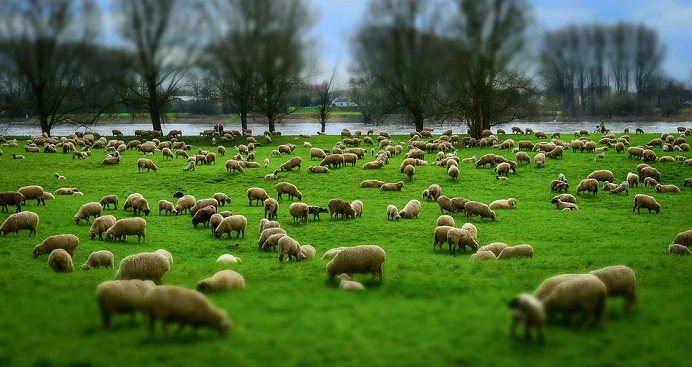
(295, 128)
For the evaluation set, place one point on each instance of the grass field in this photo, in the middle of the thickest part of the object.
(432, 309)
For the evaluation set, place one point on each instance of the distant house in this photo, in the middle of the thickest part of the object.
(342, 102)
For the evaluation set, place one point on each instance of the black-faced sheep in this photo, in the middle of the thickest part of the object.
(22, 220)
(585, 293)
(477, 208)
(410, 210)
(527, 310)
(646, 202)
(60, 261)
(361, 259)
(170, 303)
(235, 223)
(316, 210)
(99, 258)
(557, 185)
(121, 296)
(339, 206)
(271, 208)
(563, 205)
(588, 184)
(299, 211)
(221, 281)
(257, 194)
(620, 280)
(127, 227)
(288, 188)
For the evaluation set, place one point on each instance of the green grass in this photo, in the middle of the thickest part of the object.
(431, 309)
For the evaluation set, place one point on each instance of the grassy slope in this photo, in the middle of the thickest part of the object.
(431, 309)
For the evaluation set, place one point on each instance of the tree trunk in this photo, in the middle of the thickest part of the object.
(45, 127)
(270, 119)
(243, 120)
(323, 125)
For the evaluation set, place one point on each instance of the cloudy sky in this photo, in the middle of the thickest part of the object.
(671, 18)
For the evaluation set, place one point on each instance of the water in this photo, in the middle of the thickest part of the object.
(334, 128)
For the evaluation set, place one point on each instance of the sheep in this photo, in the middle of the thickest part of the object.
(584, 293)
(547, 286)
(107, 200)
(60, 261)
(143, 163)
(458, 237)
(298, 211)
(288, 188)
(235, 223)
(233, 165)
(393, 213)
(268, 232)
(170, 303)
(609, 186)
(557, 185)
(22, 220)
(371, 183)
(59, 176)
(87, 210)
(167, 206)
(476, 208)
(347, 283)
(257, 194)
(316, 210)
(144, 266)
(185, 203)
(266, 162)
(32, 192)
(221, 281)
(503, 204)
(650, 182)
(339, 206)
(632, 179)
(221, 198)
(440, 236)
(482, 255)
(527, 310)
(48, 196)
(272, 241)
(396, 186)
(453, 172)
(332, 252)
(667, 188)
(516, 251)
(687, 181)
(307, 252)
(650, 172)
(203, 215)
(291, 164)
(677, 249)
(97, 259)
(684, 238)
(601, 175)
(357, 206)
(11, 198)
(646, 202)
(140, 204)
(228, 258)
(67, 242)
(411, 209)
(66, 191)
(361, 259)
(444, 220)
(100, 225)
(619, 280)
(588, 184)
(317, 153)
(289, 247)
(121, 296)
(271, 209)
(127, 226)
(623, 186)
(202, 203)
(599, 157)
(494, 247)
(564, 205)
(432, 192)
(539, 160)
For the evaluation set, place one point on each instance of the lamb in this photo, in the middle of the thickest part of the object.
(235, 223)
(97, 259)
(444, 220)
(476, 208)
(257, 194)
(347, 283)
(202, 204)
(271, 208)
(185, 203)
(228, 258)
(288, 188)
(21, 220)
(396, 186)
(584, 293)
(144, 266)
(357, 206)
(339, 206)
(516, 251)
(527, 310)
(60, 261)
(371, 183)
(87, 210)
(619, 280)
(588, 184)
(307, 252)
(127, 226)
(272, 242)
(667, 188)
(564, 205)
(677, 249)
(107, 200)
(650, 182)
(32, 192)
(361, 259)
(632, 179)
(170, 303)
(458, 237)
(291, 164)
(393, 213)
(601, 175)
(121, 296)
(203, 215)
(684, 238)
(11, 198)
(623, 186)
(318, 169)
(221, 281)
(411, 209)
(503, 204)
(432, 192)
(646, 202)
(143, 163)
(316, 210)
(167, 206)
(298, 211)
(483, 255)
(609, 186)
(221, 198)
(289, 247)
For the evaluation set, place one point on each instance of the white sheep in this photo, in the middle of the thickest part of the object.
(684, 238)
(457, 237)
(185, 203)
(268, 232)
(298, 211)
(678, 249)
(221, 281)
(477, 208)
(307, 252)
(482, 255)
(646, 202)
(527, 310)
(167, 206)
(228, 259)
(585, 294)
(546, 287)
(100, 225)
(67, 242)
(32, 192)
(357, 207)
(127, 227)
(516, 251)
(289, 247)
(272, 176)
(99, 258)
(359, 259)
(107, 200)
(620, 280)
(503, 204)
(411, 209)
(170, 303)
(332, 252)
(494, 247)
(393, 213)
(87, 210)
(235, 223)
(60, 261)
(145, 266)
(147, 163)
(561, 205)
(347, 283)
(121, 296)
(445, 220)
(257, 194)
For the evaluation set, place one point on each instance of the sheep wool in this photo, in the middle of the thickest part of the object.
(228, 259)
(100, 225)
(170, 303)
(684, 238)
(411, 209)
(361, 259)
(349, 284)
(547, 286)
(235, 223)
(22, 220)
(482, 255)
(646, 202)
(60, 261)
(32, 192)
(67, 242)
(477, 208)
(121, 296)
(445, 220)
(127, 227)
(516, 251)
(585, 294)
(329, 254)
(620, 280)
(494, 247)
(289, 247)
(307, 252)
(527, 310)
(221, 281)
(677, 249)
(145, 266)
(87, 210)
(99, 258)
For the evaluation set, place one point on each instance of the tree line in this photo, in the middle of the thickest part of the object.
(430, 60)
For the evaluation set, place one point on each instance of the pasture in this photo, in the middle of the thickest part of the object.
(431, 309)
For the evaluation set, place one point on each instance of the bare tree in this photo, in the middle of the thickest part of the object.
(648, 56)
(44, 48)
(324, 99)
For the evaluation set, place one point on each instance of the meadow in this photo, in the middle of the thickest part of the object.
(431, 309)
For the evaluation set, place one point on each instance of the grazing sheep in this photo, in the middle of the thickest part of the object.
(460, 238)
(317, 153)
(476, 208)
(371, 183)
(539, 160)
(233, 165)
(602, 175)
(127, 226)
(121, 296)
(190, 167)
(222, 198)
(687, 181)
(503, 204)
(527, 310)
(100, 225)
(599, 157)
(60, 261)
(444, 220)
(11, 198)
(221, 281)
(307, 252)
(564, 205)
(516, 251)
(268, 232)
(396, 186)
(650, 182)
(97, 259)
(547, 286)
(620, 280)
(585, 293)
(482, 255)
(393, 213)
(265, 223)
(677, 249)
(185, 203)
(288, 188)
(272, 242)
(333, 160)
(432, 192)
(646, 202)
(235, 223)
(167, 206)
(411, 209)
(143, 163)
(289, 247)
(667, 188)
(623, 186)
(291, 164)
(144, 266)
(339, 206)
(203, 203)
(632, 179)
(440, 236)
(271, 208)
(203, 215)
(410, 171)
(257, 194)
(650, 172)
(361, 259)
(107, 200)
(87, 210)
(266, 163)
(228, 258)
(21, 220)
(67, 242)
(298, 211)
(32, 192)
(170, 303)
(357, 206)
(588, 184)
(684, 238)
(453, 172)
(609, 186)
